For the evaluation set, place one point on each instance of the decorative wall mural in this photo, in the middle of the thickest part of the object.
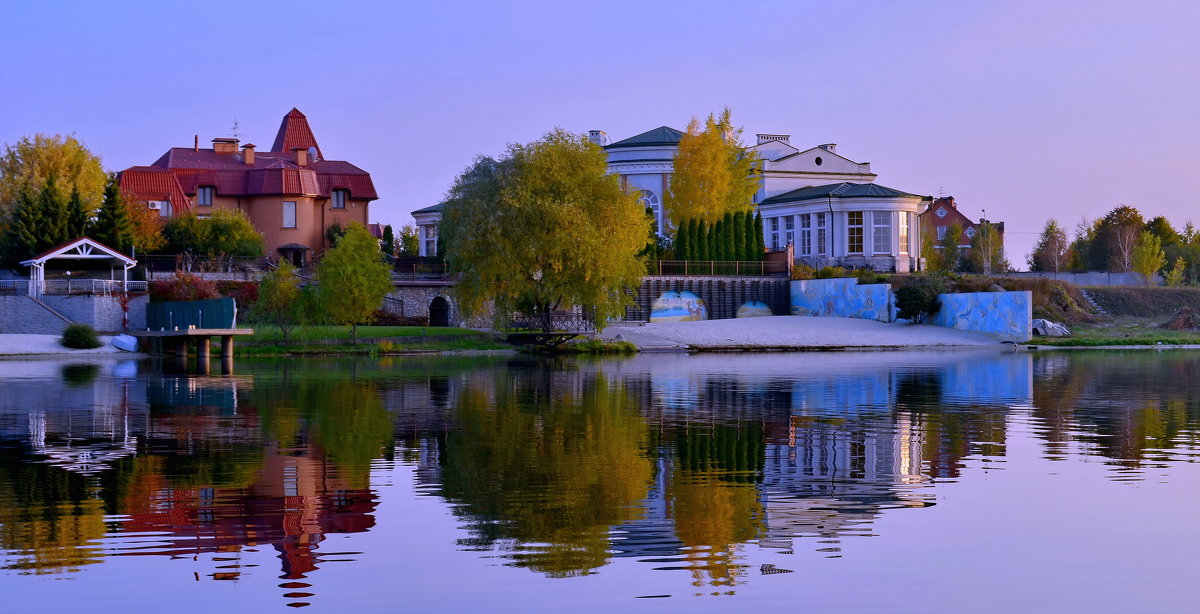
(754, 309)
(842, 297)
(677, 306)
(1007, 316)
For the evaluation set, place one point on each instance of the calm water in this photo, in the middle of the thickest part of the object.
(882, 482)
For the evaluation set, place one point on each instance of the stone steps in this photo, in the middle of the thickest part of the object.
(1091, 301)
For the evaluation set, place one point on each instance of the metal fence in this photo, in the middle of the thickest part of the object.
(179, 315)
(715, 268)
(63, 287)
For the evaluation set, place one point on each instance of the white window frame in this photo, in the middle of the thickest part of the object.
(774, 233)
(902, 232)
(789, 227)
(806, 239)
(881, 232)
(289, 209)
(822, 235)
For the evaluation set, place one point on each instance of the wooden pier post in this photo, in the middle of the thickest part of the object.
(203, 349)
(227, 347)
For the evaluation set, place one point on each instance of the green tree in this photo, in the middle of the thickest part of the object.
(409, 244)
(279, 297)
(334, 233)
(760, 241)
(545, 227)
(704, 241)
(54, 205)
(718, 239)
(713, 173)
(34, 160)
(729, 237)
(1050, 253)
(1174, 277)
(1116, 235)
(79, 218)
(388, 245)
(353, 279)
(950, 249)
(1161, 228)
(1148, 257)
(226, 233)
(682, 246)
(23, 238)
(113, 226)
(986, 254)
(1079, 255)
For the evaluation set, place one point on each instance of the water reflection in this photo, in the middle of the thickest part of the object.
(686, 463)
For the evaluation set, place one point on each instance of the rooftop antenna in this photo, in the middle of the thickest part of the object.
(235, 127)
(939, 191)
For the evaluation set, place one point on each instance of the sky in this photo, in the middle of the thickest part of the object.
(1025, 109)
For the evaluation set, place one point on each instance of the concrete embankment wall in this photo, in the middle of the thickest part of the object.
(23, 315)
(1007, 316)
(1098, 278)
(844, 298)
(722, 296)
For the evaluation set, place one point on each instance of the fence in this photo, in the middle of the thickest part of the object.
(569, 321)
(202, 264)
(175, 315)
(414, 269)
(717, 268)
(73, 286)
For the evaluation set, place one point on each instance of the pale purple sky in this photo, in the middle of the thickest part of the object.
(1028, 109)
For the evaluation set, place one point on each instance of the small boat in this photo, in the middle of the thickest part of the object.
(129, 343)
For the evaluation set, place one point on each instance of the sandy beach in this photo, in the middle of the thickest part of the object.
(791, 333)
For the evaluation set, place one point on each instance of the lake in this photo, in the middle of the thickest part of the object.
(916, 481)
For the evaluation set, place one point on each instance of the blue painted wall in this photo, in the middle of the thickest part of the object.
(842, 298)
(1007, 316)
(678, 306)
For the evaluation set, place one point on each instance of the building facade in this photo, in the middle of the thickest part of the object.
(825, 205)
(291, 194)
(943, 213)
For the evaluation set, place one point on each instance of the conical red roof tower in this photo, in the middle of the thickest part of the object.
(295, 132)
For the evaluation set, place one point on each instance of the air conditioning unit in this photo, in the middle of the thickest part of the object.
(154, 205)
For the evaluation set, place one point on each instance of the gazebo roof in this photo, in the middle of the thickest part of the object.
(81, 249)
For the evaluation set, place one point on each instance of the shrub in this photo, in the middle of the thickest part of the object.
(79, 337)
(918, 297)
(245, 293)
(183, 287)
(385, 318)
(869, 276)
(832, 272)
(803, 271)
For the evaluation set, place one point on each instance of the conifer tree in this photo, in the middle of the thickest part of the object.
(695, 239)
(739, 235)
(22, 239)
(702, 241)
(749, 244)
(53, 213)
(78, 216)
(389, 242)
(729, 238)
(718, 239)
(681, 242)
(760, 242)
(113, 227)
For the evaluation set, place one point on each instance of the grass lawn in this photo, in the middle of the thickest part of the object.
(376, 349)
(1122, 331)
(266, 332)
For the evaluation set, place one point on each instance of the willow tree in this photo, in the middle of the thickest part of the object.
(713, 173)
(542, 228)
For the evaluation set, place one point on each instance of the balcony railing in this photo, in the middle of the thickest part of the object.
(64, 287)
(717, 268)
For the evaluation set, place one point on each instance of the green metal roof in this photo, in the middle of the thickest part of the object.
(431, 209)
(838, 190)
(662, 135)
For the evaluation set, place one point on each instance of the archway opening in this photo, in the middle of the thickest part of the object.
(439, 312)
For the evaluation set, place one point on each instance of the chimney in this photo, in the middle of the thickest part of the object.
(300, 155)
(225, 145)
(830, 147)
(767, 138)
(196, 143)
(248, 153)
(598, 137)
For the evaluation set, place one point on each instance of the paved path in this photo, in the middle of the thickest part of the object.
(791, 332)
(21, 345)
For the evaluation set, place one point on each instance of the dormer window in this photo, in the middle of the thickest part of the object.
(339, 199)
(204, 196)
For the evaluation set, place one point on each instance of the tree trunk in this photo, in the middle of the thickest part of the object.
(354, 334)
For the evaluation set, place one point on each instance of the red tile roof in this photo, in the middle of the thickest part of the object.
(154, 183)
(295, 132)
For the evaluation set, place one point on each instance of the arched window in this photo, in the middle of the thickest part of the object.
(649, 200)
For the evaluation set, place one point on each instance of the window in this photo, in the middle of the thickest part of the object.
(903, 233)
(649, 200)
(854, 232)
(941, 232)
(821, 251)
(204, 196)
(775, 233)
(970, 232)
(806, 234)
(430, 240)
(789, 224)
(881, 232)
(339, 199)
(289, 214)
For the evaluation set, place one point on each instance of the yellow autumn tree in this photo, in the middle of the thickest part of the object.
(713, 172)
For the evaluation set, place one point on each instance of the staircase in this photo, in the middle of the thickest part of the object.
(1091, 301)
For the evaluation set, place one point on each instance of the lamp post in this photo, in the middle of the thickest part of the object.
(984, 227)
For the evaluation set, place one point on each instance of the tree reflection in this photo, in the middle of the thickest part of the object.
(550, 464)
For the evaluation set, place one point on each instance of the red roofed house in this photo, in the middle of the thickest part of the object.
(291, 193)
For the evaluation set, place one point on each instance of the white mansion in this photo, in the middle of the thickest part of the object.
(823, 204)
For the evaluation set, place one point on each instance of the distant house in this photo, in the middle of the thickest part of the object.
(291, 193)
(943, 213)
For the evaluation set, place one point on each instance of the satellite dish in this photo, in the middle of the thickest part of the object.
(312, 154)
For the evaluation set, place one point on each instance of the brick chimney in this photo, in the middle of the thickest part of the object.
(225, 145)
(248, 153)
(196, 143)
(300, 155)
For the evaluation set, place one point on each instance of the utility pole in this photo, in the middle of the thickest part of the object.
(985, 227)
